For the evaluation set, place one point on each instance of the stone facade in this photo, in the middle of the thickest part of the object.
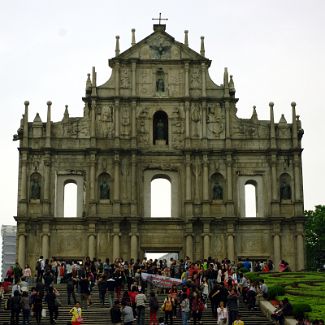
(160, 115)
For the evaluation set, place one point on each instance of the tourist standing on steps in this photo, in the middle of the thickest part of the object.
(185, 309)
(76, 312)
(140, 301)
(127, 314)
(15, 308)
(222, 313)
(232, 306)
(238, 321)
(154, 306)
(25, 303)
(116, 313)
(52, 304)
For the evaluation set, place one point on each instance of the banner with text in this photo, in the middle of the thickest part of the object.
(160, 281)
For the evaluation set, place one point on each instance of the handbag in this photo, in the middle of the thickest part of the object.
(43, 312)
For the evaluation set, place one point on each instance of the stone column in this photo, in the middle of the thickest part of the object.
(189, 246)
(205, 178)
(300, 264)
(25, 125)
(92, 182)
(45, 245)
(47, 183)
(134, 79)
(48, 125)
(206, 240)
(117, 118)
(21, 249)
(133, 119)
(230, 242)
(117, 79)
(188, 194)
(134, 241)
(203, 72)
(187, 119)
(91, 246)
(296, 164)
(116, 177)
(229, 177)
(187, 91)
(276, 245)
(204, 120)
(23, 184)
(274, 178)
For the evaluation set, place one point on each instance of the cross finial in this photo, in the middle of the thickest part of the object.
(160, 19)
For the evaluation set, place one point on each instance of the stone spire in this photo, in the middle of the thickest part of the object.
(254, 115)
(294, 125)
(272, 126)
(186, 37)
(25, 132)
(133, 37)
(66, 114)
(94, 83)
(117, 45)
(202, 51)
(226, 83)
(48, 125)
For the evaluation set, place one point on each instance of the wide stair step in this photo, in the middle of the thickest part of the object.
(97, 314)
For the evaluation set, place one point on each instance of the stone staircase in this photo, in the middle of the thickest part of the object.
(97, 314)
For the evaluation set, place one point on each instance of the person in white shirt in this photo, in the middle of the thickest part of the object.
(222, 314)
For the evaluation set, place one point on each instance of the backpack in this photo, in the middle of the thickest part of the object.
(168, 305)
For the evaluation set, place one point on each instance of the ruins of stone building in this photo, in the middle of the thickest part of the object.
(160, 115)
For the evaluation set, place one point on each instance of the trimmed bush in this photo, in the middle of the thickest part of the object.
(253, 276)
(276, 291)
(243, 270)
(300, 309)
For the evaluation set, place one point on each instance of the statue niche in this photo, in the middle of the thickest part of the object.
(104, 186)
(160, 81)
(35, 187)
(217, 182)
(285, 188)
(160, 128)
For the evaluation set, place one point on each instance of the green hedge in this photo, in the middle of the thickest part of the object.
(300, 309)
(276, 291)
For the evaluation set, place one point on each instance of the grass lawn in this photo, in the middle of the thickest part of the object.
(301, 287)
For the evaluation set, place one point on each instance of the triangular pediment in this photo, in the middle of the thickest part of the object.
(160, 46)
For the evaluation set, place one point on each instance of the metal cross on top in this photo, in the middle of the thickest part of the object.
(159, 19)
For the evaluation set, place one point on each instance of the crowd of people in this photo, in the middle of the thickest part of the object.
(122, 287)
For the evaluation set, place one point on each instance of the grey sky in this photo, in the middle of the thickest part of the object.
(274, 49)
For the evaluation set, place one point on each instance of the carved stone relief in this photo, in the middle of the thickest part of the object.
(178, 128)
(106, 128)
(195, 79)
(160, 47)
(174, 83)
(125, 121)
(145, 82)
(215, 121)
(143, 127)
(124, 79)
(196, 118)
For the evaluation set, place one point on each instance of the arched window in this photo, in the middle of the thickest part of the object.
(160, 188)
(250, 200)
(70, 199)
(160, 128)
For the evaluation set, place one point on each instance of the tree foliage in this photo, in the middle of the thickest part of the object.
(315, 236)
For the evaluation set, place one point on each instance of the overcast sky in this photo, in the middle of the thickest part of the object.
(274, 49)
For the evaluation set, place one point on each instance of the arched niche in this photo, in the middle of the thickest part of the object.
(285, 187)
(160, 128)
(104, 186)
(35, 186)
(217, 187)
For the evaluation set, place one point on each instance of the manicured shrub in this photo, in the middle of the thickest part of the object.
(243, 270)
(276, 291)
(300, 309)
